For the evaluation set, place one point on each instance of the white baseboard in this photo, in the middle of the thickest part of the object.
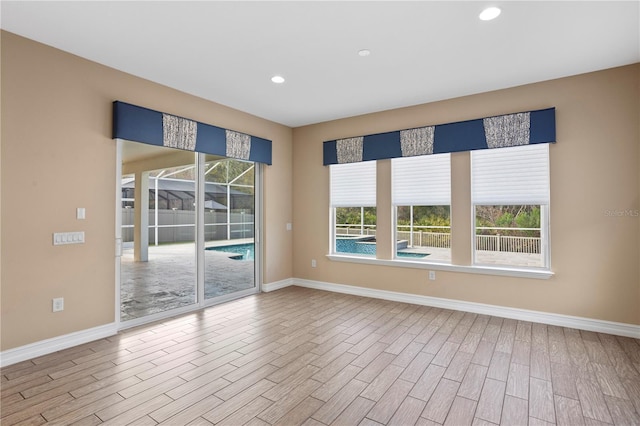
(609, 327)
(44, 347)
(47, 346)
(267, 287)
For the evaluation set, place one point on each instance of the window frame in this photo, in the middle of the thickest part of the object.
(544, 212)
(463, 267)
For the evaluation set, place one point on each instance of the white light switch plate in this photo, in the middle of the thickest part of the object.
(61, 238)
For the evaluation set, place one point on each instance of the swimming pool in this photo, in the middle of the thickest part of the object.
(241, 251)
(366, 246)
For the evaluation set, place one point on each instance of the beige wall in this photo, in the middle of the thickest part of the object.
(57, 154)
(594, 168)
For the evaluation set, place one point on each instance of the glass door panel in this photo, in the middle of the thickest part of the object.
(158, 263)
(229, 222)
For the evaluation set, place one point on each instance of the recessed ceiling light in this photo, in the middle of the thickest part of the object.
(489, 13)
(278, 79)
(364, 52)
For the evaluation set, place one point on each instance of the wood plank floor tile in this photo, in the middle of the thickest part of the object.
(491, 399)
(445, 354)
(387, 405)
(354, 413)
(245, 382)
(382, 382)
(484, 353)
(499, 366)
(563, 379)
(518, 381)
(461, 412)
(182, 401)
(369, 344)
(373, 369)
(282, 389)
(213, 376)
(521, 353)
(427, 333)
(331, 387)
(609, 381)
(440, 402)
(36, 409)
(470, 343)
(126, 417)
(569, 411)
(25, 403)
(70, 415)
(236, 403)
(622, 411)
(303, 356)
(199, 421)
(479, 324)
(473, 381)
(408, 354)
(301, 413)
(331, 409)
(191, 412)
(436, 342)
(424, 387)
(290, 355)
(515, 411)
(408, 412)
(139, 401)
(592, 401)
(285, 404)
(480, 422)
(540, 364)
(417, 367)
(541, 405)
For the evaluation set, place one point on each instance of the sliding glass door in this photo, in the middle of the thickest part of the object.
(188, 226)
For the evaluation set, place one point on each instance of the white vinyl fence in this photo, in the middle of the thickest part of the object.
(179, 226)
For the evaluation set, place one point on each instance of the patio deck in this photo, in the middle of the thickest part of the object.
(168, 280)
(484, 257)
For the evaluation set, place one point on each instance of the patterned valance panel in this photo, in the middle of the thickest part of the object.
(144, 125)
(523, 128)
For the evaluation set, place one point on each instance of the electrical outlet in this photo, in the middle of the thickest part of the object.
(432, 275)
(58, 304)
(313, 263)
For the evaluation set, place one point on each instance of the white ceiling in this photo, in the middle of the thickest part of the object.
(420, 51)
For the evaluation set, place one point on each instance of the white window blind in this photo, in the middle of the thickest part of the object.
(511, 176)
(353, 184)
(422, 181)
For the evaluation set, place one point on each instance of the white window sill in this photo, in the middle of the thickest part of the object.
(540, 274)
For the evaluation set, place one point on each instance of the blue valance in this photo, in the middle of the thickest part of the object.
(500, 131)
(144, 125)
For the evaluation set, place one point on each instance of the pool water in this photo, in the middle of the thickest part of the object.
(241, 251)
(367, 246)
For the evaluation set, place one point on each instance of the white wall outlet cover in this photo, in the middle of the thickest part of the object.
(80, 213)
(58, 304)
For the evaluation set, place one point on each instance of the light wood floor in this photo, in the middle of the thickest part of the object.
(301, 356)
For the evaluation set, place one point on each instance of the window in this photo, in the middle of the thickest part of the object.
(353, 208)
(510, 197)
(421, 188)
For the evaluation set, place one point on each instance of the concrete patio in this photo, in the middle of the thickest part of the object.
(168, 280)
